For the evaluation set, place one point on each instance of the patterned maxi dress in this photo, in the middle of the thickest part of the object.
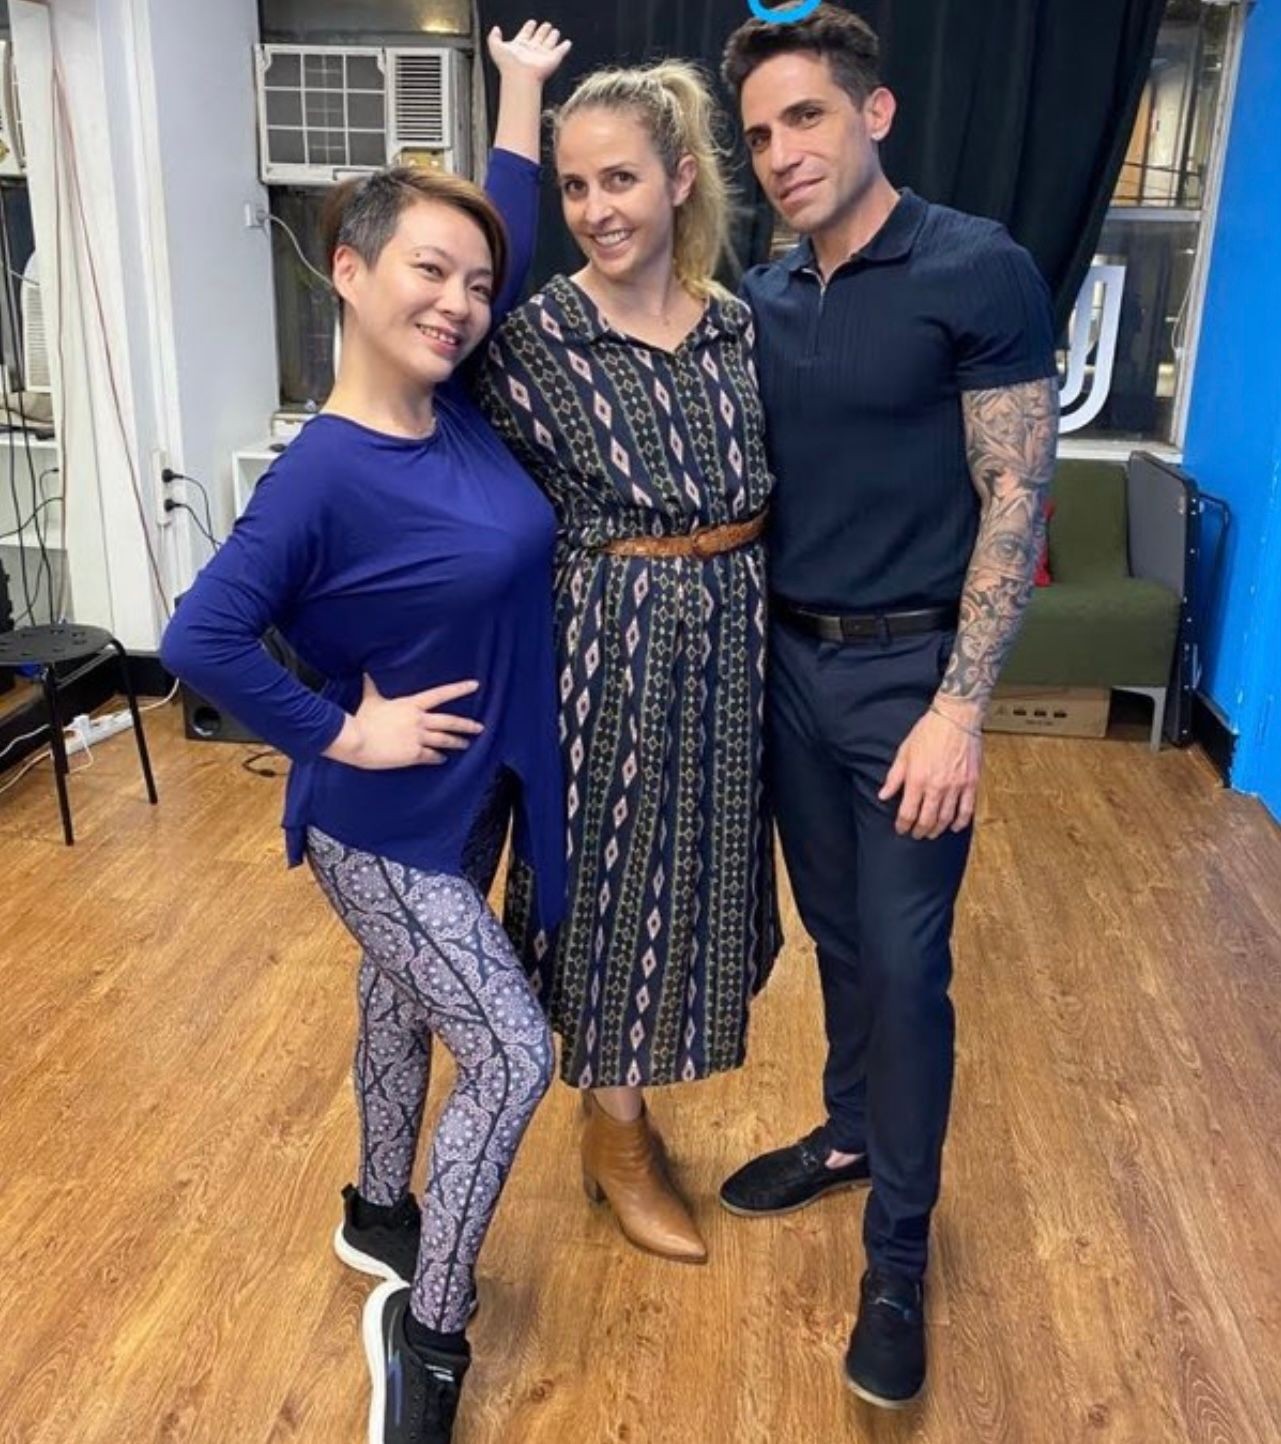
(671, 924)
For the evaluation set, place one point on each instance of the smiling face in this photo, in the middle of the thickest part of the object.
(813, 147)
(618, 200)
(424, 304)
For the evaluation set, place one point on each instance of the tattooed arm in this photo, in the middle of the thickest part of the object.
(1010, 435)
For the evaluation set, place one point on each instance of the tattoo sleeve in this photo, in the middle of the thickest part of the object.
(1010, 435)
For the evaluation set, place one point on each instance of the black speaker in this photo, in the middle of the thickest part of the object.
(205, 721)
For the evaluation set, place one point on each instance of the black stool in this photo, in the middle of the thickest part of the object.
(47, 647)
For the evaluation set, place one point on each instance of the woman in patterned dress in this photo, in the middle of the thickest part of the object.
(628, 392)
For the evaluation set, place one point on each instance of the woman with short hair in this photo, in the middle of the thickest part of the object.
(398, 546)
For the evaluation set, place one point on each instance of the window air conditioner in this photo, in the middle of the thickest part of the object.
(35, 349)
(327, 111)
(11, 155)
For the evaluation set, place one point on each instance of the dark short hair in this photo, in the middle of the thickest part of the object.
(363, 212)
(845, 40)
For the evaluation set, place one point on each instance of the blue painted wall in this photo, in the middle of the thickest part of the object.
(1233, 445)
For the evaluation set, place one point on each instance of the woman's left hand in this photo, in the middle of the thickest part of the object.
(534, 52)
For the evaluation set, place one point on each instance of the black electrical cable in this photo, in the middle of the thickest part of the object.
(45, 567)
(24, 522)
(250, 763)
(37, 525)
(169, 474)
(172, 504)
(29, 614)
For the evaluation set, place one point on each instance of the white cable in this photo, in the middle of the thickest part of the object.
(45, 756)
(44, 727)
(168, 697)
(276, 221)
(24, 769)
(22, 737)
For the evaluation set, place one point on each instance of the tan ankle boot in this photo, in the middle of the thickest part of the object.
(622, 1162)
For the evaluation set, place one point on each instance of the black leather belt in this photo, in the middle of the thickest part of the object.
(865, 627)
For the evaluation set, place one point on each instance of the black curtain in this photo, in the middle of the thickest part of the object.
(1020, 110)
(1016, 109)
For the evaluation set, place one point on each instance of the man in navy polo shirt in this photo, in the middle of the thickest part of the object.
(907, 368)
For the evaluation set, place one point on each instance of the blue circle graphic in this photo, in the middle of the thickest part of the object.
(788, 15)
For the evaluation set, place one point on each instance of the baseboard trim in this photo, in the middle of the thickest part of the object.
(1217, 739)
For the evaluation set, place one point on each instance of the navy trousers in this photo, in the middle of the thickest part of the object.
(879, 908)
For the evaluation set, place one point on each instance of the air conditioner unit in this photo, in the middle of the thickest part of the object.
(35, 348)
(330, 111)
(429, 109)
(12, 160)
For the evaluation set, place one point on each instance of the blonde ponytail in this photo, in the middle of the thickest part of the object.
(674, 102)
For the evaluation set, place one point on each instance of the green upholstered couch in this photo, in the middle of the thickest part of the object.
(1112, 614)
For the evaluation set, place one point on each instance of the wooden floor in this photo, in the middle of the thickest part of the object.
(175, 1124)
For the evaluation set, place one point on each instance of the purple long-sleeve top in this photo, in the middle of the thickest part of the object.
(419, 562)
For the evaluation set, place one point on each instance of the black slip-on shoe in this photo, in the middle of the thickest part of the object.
(885, 1362)
(789, 1178)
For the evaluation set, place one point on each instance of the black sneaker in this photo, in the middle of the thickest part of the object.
(415, 1391)
(387, 1249)
(885, 1362)
(789, 1178)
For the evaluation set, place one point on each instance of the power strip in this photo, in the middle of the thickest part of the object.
(84, 731)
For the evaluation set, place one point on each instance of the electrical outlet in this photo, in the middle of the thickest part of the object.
(255, 216)
(161, 489)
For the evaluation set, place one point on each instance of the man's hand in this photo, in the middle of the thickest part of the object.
(535, 51)
(937, 770)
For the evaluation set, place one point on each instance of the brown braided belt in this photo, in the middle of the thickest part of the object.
(703, 542)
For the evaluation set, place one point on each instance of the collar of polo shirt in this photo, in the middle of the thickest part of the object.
(892, 242)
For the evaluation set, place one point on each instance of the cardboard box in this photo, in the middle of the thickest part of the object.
(1050, 711)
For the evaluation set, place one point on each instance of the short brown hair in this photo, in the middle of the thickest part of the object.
(846, 41)
(363, 212)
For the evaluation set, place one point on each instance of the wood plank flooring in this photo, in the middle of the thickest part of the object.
(176, 1021)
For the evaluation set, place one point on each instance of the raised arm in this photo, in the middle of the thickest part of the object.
(524, 64)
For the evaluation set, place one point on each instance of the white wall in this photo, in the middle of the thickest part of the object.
(222, 319)
(173, 353)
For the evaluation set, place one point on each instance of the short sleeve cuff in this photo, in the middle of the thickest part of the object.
(1014, 373)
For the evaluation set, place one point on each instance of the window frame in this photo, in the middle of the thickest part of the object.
(1206, 217)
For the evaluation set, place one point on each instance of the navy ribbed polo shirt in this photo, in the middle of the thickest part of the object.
(874, 508)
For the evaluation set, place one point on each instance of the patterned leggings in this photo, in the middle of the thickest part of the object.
(436, 961)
